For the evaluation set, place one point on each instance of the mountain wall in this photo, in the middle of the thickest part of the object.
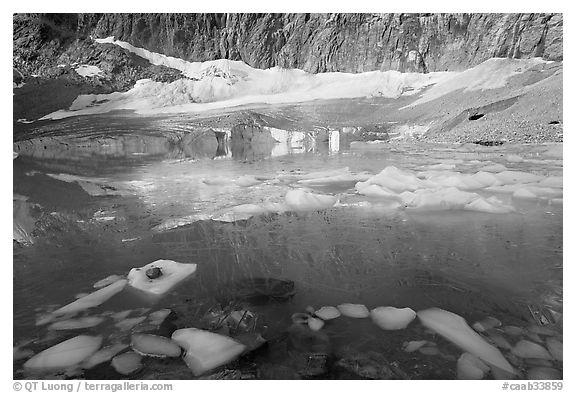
(312, 42)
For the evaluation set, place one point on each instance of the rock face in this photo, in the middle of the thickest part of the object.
(312, 42)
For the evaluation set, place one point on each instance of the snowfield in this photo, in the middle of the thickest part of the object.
(225, 83)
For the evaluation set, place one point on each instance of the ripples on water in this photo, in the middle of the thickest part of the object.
(474, 264)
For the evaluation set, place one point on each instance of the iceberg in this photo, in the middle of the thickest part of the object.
(455, 329)
(470, 367)
(328, 312)
(205, 350)
(103, 355)
(92, 300)
(527, 349)
(300, 200)
(392, 318)
(155, 346)
(127, 363)
(65, 354)
(171, 274)
(353, 310)
(80, 323)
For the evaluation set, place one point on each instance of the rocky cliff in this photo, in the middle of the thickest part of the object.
(312, 42)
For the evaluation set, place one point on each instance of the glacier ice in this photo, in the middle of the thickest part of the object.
(171, 274)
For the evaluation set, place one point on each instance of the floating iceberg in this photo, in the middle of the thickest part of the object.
(171, 273)
(127, 363)
(470, 367)
(80, 323)
(65, 354)
(328, 312)
(300, 200)
(92, 300)
(454, 328)
(206, 350)
(353, 310)
(156, 346)
(103, 355)
(392, 318)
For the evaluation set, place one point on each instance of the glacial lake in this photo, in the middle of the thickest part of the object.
(111, 192)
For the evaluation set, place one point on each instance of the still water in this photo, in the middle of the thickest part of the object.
(105, 194)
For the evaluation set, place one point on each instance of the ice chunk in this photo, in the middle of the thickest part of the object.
(65, 354)
(454, 328)
(120, 315)
(21, 354)
(107, 281)
(300, 200)
(328, 312)
(393, 179)
(524, 193)
(374, 190)
(129, 323)
(92, 300)
(413, 345)
(555, 348)
(392, 318)
(171, 274)
(527, 349)
(470, 367)
(217, 181)
(103, 355)
(354, 310)
(127, 363)
(157, 317)
(490, 205)
(206, 350)
(247, 181)
(514, 158)
(86, 70)
(315, 323)
(494, 168)
(80, 323)
(156, 346)
(486, 324)
(552, 181)
(515, 177)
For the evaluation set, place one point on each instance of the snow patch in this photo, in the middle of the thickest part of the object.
(86, 70)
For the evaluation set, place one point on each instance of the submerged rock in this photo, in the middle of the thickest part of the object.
(258, 290)
(156, 346)
(392, 318)
(172, 273)
(65, 354)
(327, 313)
(127, 363)
(528, 349)
(454, 328)
(205, 350)
(354, 310)
(370, 365)
(544, 373)
(470, 367)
